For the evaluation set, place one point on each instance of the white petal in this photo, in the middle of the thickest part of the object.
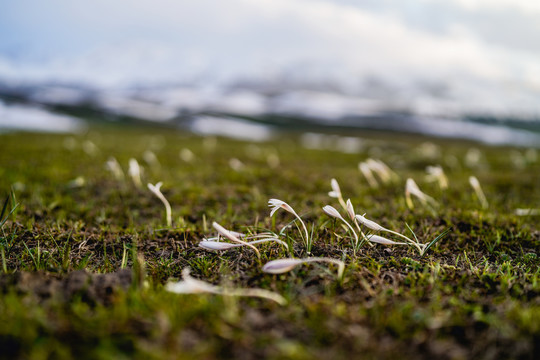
(277, 204)
(273, 211)
(190, 285)
(224, 232)
(369, 223)
(216, 245)
(331, 211)
(280, 266)
(350, 209)
(527, 212)
(335, 186)
(380, 240)
(473, 180)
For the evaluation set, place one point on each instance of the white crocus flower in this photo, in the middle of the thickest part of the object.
(370, 224)
(156, 189)
(384, 241)
(272, 159)
(236, 164)
(478, 190)
(186, 155)
(151, 159)
(350, 209)
(436, 173)
(281, 266)
(276, 204)
(381, 169)
(224, 232)
(331, 211)
(135, 172)
(190, 285)
(352, 215)
(366, 171)
(336, 193)
(114, 167)
(218, 245)
(412, 189)
(527, 212)
(78, 182)
(90, 148)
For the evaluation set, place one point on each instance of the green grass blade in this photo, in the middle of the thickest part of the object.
(412, 232)
(434, 241)
(4, 207)
(3, 221)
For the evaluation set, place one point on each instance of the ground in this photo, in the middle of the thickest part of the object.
(86, 255)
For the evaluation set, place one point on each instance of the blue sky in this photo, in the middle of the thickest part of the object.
(117, 42)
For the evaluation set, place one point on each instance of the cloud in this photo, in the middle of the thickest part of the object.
(526, 6)
(117, 43)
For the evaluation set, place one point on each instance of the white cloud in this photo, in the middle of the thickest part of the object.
(114, 43)
(521, 5)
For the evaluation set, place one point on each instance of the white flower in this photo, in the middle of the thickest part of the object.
(186, 155)
(527, 212)
(381, 240)
(78, 182)
(331, 211)
(473, 158)
(151, 159)
(370, 224)
(236, 164)
(478, 190)
(277, 204)
(366, 171)
(90, 148)
(190, 285)
(156, 190)
(272, 160)
(381, 169)
(114, 167)
(135, 172)
(280, 266)
(350, 209)
(224, 232)
(336, 191)
(436, 173)
(217, 245)
(412, 189)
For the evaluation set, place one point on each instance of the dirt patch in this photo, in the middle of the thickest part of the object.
(91, 288)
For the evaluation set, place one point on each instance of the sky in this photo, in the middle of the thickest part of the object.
(457, 44)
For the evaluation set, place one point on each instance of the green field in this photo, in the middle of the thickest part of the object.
(85, 255)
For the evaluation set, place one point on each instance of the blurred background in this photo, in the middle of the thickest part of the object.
(460, 69)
